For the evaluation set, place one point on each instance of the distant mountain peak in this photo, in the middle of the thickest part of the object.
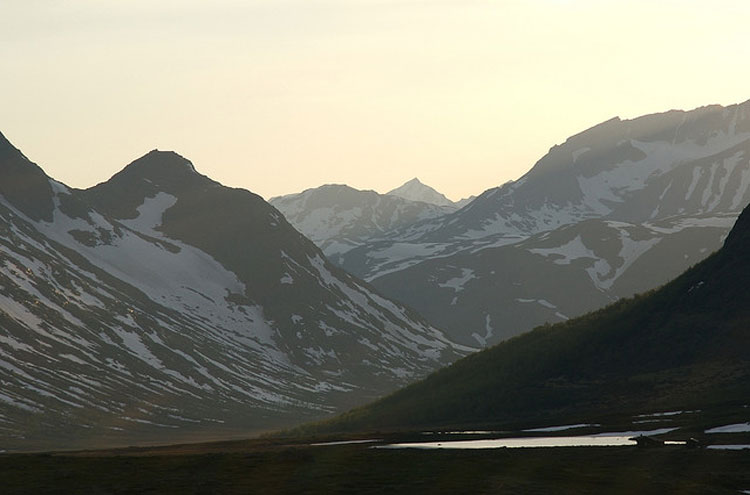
(416, 190)
(337, 217)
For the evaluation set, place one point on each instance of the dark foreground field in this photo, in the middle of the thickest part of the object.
(264, 466)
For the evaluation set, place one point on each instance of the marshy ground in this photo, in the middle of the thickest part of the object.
(274, 466)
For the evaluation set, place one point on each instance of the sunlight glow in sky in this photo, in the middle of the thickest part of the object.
(277, 96)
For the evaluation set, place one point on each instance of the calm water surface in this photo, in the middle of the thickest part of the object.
(512, 443)
(618, 439)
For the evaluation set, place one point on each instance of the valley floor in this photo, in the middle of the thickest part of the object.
(273, 466)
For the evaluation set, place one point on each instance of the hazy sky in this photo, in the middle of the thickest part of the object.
(281, 95)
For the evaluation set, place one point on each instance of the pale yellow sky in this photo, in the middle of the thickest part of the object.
(277, 96)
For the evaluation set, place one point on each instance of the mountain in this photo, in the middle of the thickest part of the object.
(24, 184)
(414, 190)
(163, 306)
(464, 201)
(490, 294)
(685, 346)
(338, 218)
(655, 166)
(615, 210)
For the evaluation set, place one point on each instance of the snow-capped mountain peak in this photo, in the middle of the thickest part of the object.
(415, 190)
(338, 217)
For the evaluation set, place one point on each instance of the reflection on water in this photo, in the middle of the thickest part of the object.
(551, 429)
(465, 432)
(512, 443)
(342, 442)
(612, 439)
(648, 433)
(668, 413)
(735, 428)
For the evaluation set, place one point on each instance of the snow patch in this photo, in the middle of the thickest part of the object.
(567, 253)
(488, 332)
(457, 283)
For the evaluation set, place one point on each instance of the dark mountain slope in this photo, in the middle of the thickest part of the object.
(238, 228)
(684, 345)
(23, 183)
